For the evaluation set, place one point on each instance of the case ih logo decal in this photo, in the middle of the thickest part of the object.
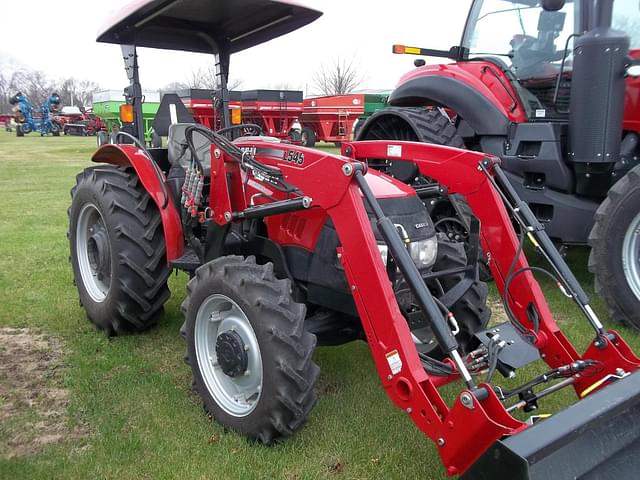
(294, 157)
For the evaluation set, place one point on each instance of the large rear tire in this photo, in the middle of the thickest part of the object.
(19, 131)
(615, 250)
(249, 353)
(118, 251)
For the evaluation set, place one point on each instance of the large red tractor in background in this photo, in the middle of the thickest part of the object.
(552, 89)
(289, 247)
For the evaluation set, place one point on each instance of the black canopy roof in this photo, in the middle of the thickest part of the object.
(204, 26)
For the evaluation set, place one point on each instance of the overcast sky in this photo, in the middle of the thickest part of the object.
(60, 40)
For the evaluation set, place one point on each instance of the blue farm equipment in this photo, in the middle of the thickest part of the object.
(31, 120)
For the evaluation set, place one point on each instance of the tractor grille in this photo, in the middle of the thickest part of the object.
(544, 93)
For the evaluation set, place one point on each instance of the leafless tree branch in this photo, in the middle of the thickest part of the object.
(338, 78)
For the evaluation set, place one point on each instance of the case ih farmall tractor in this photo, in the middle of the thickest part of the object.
(288, 247)
(552, 89)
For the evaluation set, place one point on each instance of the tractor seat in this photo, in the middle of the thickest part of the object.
(179, 152)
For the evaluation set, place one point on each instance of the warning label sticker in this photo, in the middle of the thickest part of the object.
(394, 361)
(394, 150)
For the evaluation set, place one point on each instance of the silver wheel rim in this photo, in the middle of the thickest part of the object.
(237, 396)
(631, 256)
(95, 281)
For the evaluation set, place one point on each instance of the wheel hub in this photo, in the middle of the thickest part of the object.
(99, 252)
(231, 353)
(93, 252)
(228, 355)
(453, 228)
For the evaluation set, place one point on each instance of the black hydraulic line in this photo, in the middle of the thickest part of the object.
(275, 208)
(543, 393)
(559, 79)
(412, 276)
(538, 236)
(561, 372)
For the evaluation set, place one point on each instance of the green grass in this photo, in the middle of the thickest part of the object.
(134, 392)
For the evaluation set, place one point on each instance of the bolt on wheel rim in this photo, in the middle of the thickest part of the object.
(93, 252)
(631, 256)
(239, 395)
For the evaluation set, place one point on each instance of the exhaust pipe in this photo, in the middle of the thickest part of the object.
(597, 103)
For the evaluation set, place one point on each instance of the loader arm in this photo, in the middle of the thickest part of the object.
(478, 418)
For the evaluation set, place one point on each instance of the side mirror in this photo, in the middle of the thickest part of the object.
(552, 5)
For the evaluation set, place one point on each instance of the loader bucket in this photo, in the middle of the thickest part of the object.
(596, 438)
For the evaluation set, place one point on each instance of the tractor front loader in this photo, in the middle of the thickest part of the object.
(551, 88)
(288, 247)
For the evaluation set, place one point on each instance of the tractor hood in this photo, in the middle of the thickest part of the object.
(204, 26)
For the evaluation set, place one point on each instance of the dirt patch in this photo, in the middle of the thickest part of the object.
(33, 400)
(498, 314)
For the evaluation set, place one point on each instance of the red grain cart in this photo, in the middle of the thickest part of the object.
(200, 103)
(331, 118)
(276, 111)
(5, 119)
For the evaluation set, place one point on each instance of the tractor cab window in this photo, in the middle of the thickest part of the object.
(626, 18)
(520, 35)
(523, 38)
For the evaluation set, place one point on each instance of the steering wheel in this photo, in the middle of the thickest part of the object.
(528, 58)
(242, 130)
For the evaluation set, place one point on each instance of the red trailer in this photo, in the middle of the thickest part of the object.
(276, 111)
(200, 103)
(5, 119)
(331, 118)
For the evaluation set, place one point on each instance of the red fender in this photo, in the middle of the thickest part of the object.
(124, 155)
(484, 78)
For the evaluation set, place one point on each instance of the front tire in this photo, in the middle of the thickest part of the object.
(615, 250)
(117, 250)
(249, 353)
(19, 131)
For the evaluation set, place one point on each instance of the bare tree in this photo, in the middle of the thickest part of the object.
(338, 78)
(37, 87)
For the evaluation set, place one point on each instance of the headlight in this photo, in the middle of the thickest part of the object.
(423, 252)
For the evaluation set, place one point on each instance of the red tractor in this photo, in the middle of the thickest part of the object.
(289, 247)
(552, 89)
